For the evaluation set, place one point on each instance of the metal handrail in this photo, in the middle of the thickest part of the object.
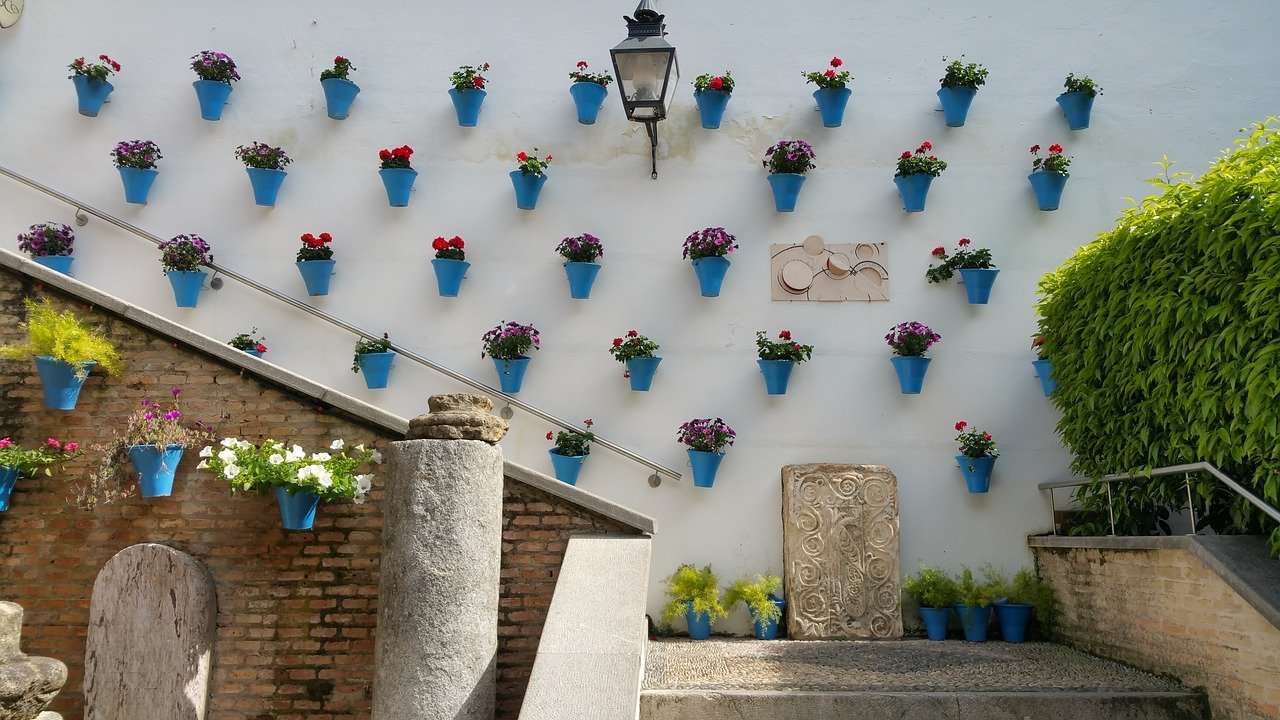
(1186, 470)
(83, 208)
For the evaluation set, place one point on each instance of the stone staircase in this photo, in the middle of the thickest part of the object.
(27, 683)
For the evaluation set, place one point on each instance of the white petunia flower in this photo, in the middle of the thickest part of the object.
(363, 484)
(227, 455)
(244, 444)
(204, 464)
(231, 471)
(321, 456)
(206, 452)
(297, 453)
(229, 442)
(377, 457)
(324, 481)
(337, 444)
(275, 459)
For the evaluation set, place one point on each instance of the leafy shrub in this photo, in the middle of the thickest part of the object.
(755, 594)
(61, 336)
(365, 346)
(342, 67)
(1083, 83)
(931, 588)
(1028, 589)
(962, 259)
(967, 75)
(920, 162)
(634, 345)
(692, 589)
(971, 593)
(573, 443)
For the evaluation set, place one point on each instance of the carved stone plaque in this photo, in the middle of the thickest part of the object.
(840, 552)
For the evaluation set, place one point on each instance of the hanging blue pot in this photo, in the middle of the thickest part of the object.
(338, 96)
(8, 478)
(212, 95)
(831, 103)
(978, 282)
(155, 468)
(705, 465)
(60, 383)
(1077, 106)
(711, 272)
(582, 275)
(1013, 619)
(1044, 371)
(527, 187)
(975, 621)
(59, 263)
(137, 183)
(449, 274)
(186, 286)
(786, 190)
(935, 622)
(777, 373)
(567, 467)
(768, 630)
(266, 184)
(398, 182)
(91, 94)
(589, 97)
(376, 368)
(977, 472)
(1048, 187)
(914, 190)
(640, 372)
(711, 105)
(911, 370)
(316, 274)
(466, 104)
(511, 373)
(297, 509)
(254, 352)
(955, 104)
(699, 624)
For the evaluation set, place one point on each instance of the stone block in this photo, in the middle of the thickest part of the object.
(27, 683)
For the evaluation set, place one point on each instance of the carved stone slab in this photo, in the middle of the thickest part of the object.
(152, 621)
(840, 552)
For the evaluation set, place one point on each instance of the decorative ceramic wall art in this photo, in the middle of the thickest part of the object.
(815, 271)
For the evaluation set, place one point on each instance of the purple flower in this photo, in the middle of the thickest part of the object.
(148, 415)
(185, 253)
(709, 242)
(173, 415)
(45, 239)
(911, 339)
(176, 392)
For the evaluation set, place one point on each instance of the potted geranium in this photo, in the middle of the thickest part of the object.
(973, 265)
(339, 91)
(528, 178)
(64, 351)
(759, 594)
(509, 345)
(182, 257)
(977, 456)
(636, 352)
(973, 605)
(397, 176)
(934, 593)
(910, 341)
(216, 71)
(265, 166)
(1077, 101)
(298, 480)
(695, 595)
(777, 358)
(50, 244)
(154, 440)
(450, 264)
(373, 358)
(589, 91)
(711, 93)
(249, 342)
(571, 449)
(580, 253)
(92, 87)
(315, 262)
(468, 92)
(707, 249)
(136, 162)
(788, 161)
(1043, 366)
(16, 462)
(833, 92)
(706, 440)
(959, 84)
(1049, 176)
(915, 174)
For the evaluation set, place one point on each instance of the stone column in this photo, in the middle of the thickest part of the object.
(437, 636)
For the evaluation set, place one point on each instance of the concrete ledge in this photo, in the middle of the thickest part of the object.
(581, 498)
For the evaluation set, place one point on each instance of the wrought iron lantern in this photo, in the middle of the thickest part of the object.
(647, 71)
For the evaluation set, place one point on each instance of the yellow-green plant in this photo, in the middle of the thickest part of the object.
(692, 589)
(62, 336)
(931, 588)
(1028, 589)
(754, 593)
(971, 593)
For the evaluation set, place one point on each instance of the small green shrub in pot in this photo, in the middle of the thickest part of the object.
(934, 593)
(695, 594)
(1017, 599)
(973, 605)
(759, 594)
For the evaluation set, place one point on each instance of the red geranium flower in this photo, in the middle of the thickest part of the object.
(617, 342)
(260, 348)
(339, 60)
(582, 64)
(836, 62)
(548, 434)
(384, 154)
(986, 436)
(53, 443)
(477, 81)
(926, 146)
(522, 156)
(456, 242)
(1055, 148)
(548, 158)
(439, 244)
(1035, 148)
(939, 251)
(961, 425)
(326, 237)
(716, 83)
(964, 242)
(785, 334)
(632, 333)
(905, 154)
(71, 447)
(830, 73)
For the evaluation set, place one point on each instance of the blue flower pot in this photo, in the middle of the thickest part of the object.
(527, 186)
(768, 630)
(1048, 187)
(316, 274)
(641, 371)
(1013, 619)
(776, 375)
(59, 381)
(297, 509)
(977, 472)
(467, 105)
(955, 104)
(831, 103)
(338, 96)
(1077, 106)
(91, 94)
(511, 373)
(254, 352)
(1044, 371)
(376, 368)
(567, 467)
(699, 624)
(711, 105)
(935, 622)
(588, 97)
(914, 190)
(155, 468)
(582, 275)
(911, 370)
(186, 286)
(449, 274)
(786, 190)
(137, 184)
(266, 185)
(59, 263)
(212, 95)
(974, 620)
(978, 282)
(711, 272)
(398, 182)
(8, 478)
(705, 465)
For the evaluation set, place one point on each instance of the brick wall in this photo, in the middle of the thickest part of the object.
(1165, 611)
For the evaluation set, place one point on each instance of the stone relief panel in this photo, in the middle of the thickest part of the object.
(815, 271)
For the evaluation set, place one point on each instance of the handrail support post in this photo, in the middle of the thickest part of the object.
(1111, 511)
(1191, 508)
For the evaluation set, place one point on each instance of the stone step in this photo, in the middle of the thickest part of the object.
(10, 629)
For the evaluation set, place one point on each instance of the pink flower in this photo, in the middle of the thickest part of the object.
(617, 342)
(176, 392)
(926, 146)
(906, 154)
(53, 443)
(71, 447)
(961, 425)
(5, 442)
(632, 333)
(836, 62)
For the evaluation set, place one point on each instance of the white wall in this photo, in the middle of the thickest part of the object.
(1179, 78)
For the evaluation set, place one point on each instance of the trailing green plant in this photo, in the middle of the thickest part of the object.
(1026, 588)
(573, 443)
(1165, 339)
(61, 336)
(971, 593)
(1082, 84)
(692, 589)
(931, 588)
(41, 458)
(369, 345)
(784, 348)
(261, 468)
(966, 75)
(962, 259)
(756, 594)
